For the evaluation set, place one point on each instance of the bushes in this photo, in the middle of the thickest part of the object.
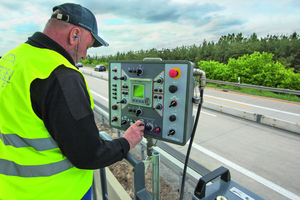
(254, 69)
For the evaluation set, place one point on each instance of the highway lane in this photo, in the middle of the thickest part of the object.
(261, 159)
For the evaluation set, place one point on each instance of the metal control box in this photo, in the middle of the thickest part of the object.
(157, 92)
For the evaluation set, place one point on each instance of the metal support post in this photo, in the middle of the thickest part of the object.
(155, 175)
(142, 151)
(149, 146)
(103, 184)
(102, 116)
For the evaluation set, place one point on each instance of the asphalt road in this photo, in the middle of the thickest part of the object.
(264, 160)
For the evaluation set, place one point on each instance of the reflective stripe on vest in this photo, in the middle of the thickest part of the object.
(42, 144)
(10, 168)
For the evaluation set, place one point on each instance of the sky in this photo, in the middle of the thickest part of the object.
(145, 24)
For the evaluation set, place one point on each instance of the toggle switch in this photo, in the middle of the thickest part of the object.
(114, 119)
(122, 101)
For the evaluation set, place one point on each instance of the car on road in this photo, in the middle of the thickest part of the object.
(100, 68)
(79, 64)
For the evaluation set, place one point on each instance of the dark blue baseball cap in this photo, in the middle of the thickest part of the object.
(79, 16)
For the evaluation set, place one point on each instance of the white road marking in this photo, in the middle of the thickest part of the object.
(206, 113)
(248, 173)
(106, 99)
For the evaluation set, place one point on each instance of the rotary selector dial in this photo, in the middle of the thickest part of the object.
(138, 112)
(139, 71)
(173, 103)
(171, 132)
(149, 127)
(158, 107)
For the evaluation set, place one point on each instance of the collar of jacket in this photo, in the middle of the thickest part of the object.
(41, 40)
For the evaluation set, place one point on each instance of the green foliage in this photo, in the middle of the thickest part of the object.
(286, 50)
(255, 69)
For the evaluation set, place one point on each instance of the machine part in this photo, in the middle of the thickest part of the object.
(202, 79)
(223, 188)
(152, 91)
(196, 100)
(155, 175)
(221, 198)
(149, 147)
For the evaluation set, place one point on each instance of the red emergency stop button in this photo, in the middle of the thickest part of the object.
(173, 73)
(157, 130)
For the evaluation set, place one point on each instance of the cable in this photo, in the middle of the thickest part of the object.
(190, 145)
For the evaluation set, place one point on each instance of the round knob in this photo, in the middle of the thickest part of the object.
(171, 132)
(114, 107)
(173, 103)
(115, 78)
(158, 107)
(138, 112)
(172, 118)
(149, 127)
(115, 70)
(114, 119)
(173, 73)
(124, 122)
(173, 88)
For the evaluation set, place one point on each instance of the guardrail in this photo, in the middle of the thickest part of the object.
(272, 89)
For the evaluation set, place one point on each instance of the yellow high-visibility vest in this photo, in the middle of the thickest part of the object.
(31, 164)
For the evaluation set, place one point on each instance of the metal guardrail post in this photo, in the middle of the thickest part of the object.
(155, 175)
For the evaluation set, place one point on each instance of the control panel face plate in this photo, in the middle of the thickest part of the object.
(159, 93)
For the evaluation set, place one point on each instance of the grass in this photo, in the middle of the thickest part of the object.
(262, 93)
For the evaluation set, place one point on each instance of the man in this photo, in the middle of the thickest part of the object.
(49, 142)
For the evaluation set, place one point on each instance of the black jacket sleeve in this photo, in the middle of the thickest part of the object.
(63, 103)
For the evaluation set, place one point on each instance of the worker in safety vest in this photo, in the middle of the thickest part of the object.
(49, 142)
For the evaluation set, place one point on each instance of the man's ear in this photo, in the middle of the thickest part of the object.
(74, 35)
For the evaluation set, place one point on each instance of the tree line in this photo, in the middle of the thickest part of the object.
(286, 50)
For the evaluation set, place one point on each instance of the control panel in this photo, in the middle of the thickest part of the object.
(157, 92)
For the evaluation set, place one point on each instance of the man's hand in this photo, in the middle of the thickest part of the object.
(134, 134)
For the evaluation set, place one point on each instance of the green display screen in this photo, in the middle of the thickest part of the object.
(138, 91)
